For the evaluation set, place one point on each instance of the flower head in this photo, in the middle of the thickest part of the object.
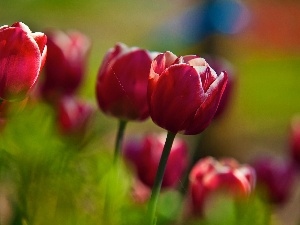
(65, 65)
(122, 82)
(145, 154)
(210, 176)
(276, 177)
(73, 115)
(183, 92)
(22, 56)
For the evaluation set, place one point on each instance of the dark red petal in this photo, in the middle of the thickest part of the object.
(111, 56)
(122, 88)
(20, 61)
(176, 97)
(208, 108)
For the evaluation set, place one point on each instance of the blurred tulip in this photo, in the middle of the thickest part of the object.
(145, 154)
(221, 64)
(276, 177)
(183, 92)
(295, 140)
(65, 65)
(73, 115)
(22, 55)
(122, 82)
(209, 177)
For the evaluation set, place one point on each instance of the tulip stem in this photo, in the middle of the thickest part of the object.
(119, 140)
(159, 177)
(1, 101)
(107, 213)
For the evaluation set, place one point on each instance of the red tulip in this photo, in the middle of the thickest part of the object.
(145, 154)
(210, 176)
(276, 177)
(22, 55)
(65, 65)
(122, 82)
(183, 92)
(73, 115)
(295, 140)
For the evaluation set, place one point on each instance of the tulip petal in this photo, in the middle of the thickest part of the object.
(208, 108)
(162, 61)
(20, 61)
(41, 40)
(176, 97)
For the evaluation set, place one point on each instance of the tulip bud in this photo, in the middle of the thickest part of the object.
(145, 154)
(209, 177)
(73, 115)
(22, 55)
(275, 177)
(295, 140)
(65, 65)
(122, 82)
(183, 92)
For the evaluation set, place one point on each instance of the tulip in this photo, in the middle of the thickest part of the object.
(295, 140)
(65, 65)
(209, 177)
(145, 154)
(276, 177)
(122, 82)
(22, 56)
(73, 115)
(183, 93)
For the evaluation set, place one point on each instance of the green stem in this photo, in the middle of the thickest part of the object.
(159, 177)
(1, 101)
(107, 214)
(119, 140)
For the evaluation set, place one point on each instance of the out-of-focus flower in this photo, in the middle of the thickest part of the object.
(183, 92)
(221, 64)
(276, 177)
(65, 65)
(73, 115)
(209, 177)
(145, 154)
(295, 139)
(22, 56)
(122, 82)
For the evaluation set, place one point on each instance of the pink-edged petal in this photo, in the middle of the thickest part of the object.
(20, 61)
(163, 61)
(176, 97)
(23, 26)
(192, 60)
(207, 78)
(208, 108)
